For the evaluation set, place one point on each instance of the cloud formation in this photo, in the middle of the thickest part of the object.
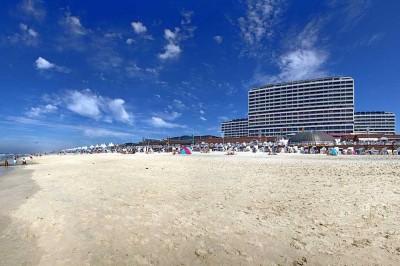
(303, 59)
(87, 104)
(42, 63)
(73, 25)
(41, 110)
(101, 132)
(260, 22)
(138, 27)
(27, 36)
(173, 49)
(33, 8)
(218, 39)
(159, 122)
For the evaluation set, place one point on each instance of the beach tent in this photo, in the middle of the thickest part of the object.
(333, 151)
(186, 150)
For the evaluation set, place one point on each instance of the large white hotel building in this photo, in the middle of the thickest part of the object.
(325, 104)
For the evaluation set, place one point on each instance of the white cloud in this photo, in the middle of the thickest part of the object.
(33, 8)
(159, 122)
(84, 103)
(171, 51)
(218, 39)
(27, 36)
(202, 112)
(187, 17)
(223, 118)
(171, 35)
(118, 111)
(179, 104)
(73, 24)
(130, 41)
(88, 104)
(138, 27)
(41, 110)
(42, 63)
(169, 115)
(260, 21)
(301, 64)
(101, 132)
(202, 118)
(31, 32)
(302, 60)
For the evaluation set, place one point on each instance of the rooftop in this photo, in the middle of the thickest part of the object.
(302, 81)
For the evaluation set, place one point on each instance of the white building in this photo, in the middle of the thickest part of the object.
(235, 128)
(325, 104)
(374, 123)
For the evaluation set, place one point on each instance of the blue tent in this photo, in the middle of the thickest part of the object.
(332, 151)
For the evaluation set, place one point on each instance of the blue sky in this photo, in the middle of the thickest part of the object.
(77, 73)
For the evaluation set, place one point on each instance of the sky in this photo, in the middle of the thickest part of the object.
(77, 73)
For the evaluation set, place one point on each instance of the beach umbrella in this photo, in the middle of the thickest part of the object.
(103, 145)
(111, 144)
(384, 139)
(91, 146)
(97, 146)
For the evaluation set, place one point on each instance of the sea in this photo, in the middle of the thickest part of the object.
(10, 156)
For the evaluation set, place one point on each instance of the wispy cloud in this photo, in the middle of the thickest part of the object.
(179, 104)
(26, 35)
(375, 38)
(203, 118)
(41, 110)
(303, 58)
(259, 23)
(173, 49)
(33, 8)
(218, 39)
(168, 115)
(159, 122)
(352, 12)
(101, 132)
(73, 24)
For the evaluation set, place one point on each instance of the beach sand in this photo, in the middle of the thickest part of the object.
(202, 209)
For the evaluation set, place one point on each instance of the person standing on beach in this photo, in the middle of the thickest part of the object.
(6, 162)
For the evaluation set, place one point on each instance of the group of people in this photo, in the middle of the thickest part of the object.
(15, 159)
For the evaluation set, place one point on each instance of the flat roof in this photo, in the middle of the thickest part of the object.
(301, 81)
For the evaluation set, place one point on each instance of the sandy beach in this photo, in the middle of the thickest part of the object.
(202, 209)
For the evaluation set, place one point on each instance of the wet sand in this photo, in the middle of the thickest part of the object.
(203, 209)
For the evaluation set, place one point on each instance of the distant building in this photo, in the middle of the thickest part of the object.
(374, 123)
(235, 128)
(325, 104)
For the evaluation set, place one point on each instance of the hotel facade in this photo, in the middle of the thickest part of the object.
(325, 104)
(235, 128)
(374, 123)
